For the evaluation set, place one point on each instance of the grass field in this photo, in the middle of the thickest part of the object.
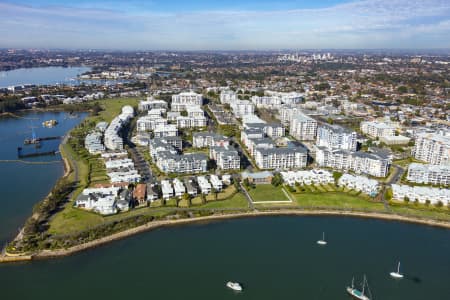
(112, 107)
(421, 210)
(267, 192)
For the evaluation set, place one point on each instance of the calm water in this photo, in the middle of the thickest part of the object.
(274, 257)
(42, 76)
(22, 185)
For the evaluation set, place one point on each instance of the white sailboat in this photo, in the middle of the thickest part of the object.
(322, 241)
(397, 274)
(234, 286)
(357, 294)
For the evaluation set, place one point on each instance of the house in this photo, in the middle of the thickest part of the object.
(140, 193)
(167, 190)
(205, 186)
(178, 188)
(100, 200)
(152, 193)
(264, 177)
(191, 187)
(216, 182)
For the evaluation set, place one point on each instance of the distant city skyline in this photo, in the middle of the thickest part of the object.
(225, 25)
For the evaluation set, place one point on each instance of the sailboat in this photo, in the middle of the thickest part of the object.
(357, 294)
(322, 241)
(397, 274)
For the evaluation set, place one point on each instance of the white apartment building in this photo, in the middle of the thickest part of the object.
(165, 130)
(303, 127)
(112, 138)
(281, 158)
(209, 139)
(358, 162)
(191, 122)
(152, 104)
(149, 123)
(429, 174)
(93, 142)
(270, 102)
(195, 111)
(242, 108)
(377, 129)
(421, 194)
(182, 164)
(307, 177)
(360, 183)
(336, 137)
(182, 101)
(100, 200)
(228, 97)
(287, 98)
(225, 157)
(432, 148)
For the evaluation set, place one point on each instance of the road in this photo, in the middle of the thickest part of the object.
(396, 175)
(247, 196)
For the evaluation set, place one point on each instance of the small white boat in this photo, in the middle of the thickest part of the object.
(397, 274)
(234, 286)
(356, 293)
(322, 241)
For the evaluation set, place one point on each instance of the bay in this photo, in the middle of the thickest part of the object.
(273, 257)
(22, 185)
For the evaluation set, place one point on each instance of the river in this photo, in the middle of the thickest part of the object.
(22, 185)
(273, 257)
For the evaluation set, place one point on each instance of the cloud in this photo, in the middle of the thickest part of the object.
(355, 24)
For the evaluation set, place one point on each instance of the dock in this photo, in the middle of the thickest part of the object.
(20, 154)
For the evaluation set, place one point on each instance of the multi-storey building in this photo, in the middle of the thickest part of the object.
(432, 148)
(209, 139)
(241, 108)
(225, 157)
(191, 122)
(228, 97)
(112, 138)
(336, 137)
(303, 127)
(149, 123)
(165, 130)
(182, 101)
(360, 162)
(429, 174)
(377, 129)
(271, 102)
(182, 164)
(152, 104)
(281, 158)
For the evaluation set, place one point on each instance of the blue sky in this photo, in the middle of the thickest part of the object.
(225, 25)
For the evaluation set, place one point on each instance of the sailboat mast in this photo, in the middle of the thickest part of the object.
(364, 284)
(398, 268)
(323, 236)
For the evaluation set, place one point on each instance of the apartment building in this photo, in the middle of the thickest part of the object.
(182, 164)
(359, 162)
(112, 138)
(228, 97)
(184, 100)
(151, 103)
(377, 129)
(226, 158)
(270, 102)
(241, 108)
(165, 130)
(149, 123)
(303, 127)
(432, 148)
(281, 158)
(209, 139)
(429, 174)
(336, 137)
(421, 194)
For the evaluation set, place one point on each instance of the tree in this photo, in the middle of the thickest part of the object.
(215, 192)
(187, 198)
(406, 199)
(203, 198)
(277, 179)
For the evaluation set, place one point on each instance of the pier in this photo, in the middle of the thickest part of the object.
(20, 154)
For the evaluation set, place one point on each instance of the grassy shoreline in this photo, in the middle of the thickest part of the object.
(46, 254)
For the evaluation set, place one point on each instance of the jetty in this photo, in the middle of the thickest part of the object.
(20, 154)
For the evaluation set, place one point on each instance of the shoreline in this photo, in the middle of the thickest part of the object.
(48, 254)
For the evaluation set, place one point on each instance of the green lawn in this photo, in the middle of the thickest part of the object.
(112, 107)
(71, 220)
(421, 210)
(267, 192)
(335, 199)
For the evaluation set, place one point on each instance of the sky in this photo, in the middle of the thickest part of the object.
(225, 25)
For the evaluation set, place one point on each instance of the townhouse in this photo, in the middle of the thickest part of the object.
(429, 174)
